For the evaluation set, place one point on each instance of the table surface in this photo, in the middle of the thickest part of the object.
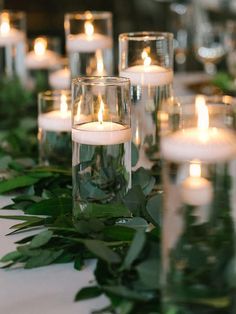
(51, 289)
(45, 290)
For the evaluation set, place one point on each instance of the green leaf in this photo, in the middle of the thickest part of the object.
(16, 183)
(88, 293)
(149, 273)
(129, 294)
(153, 207)
(20, 217)
(96, 210)
(26, 225)
(99, 249)
(144, 178)
(135, 200)
(45, 257)
(12, 256)
(51, 207)
(41, 239)
(4, 162)
(119, 233)
(135, 223)
(135, 248)
(78, 264)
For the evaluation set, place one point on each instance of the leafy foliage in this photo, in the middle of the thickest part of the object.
(123, 249)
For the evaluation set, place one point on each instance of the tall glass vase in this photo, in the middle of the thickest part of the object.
(101, 135)
(199, 180)
(12, 45)
(146, 58)
(54, 128)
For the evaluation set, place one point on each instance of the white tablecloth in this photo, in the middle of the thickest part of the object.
(45, 290)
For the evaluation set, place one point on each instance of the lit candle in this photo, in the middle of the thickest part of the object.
(9, 35)
(101, 132)
(148, 74)
(56, 120)
(60, 79)
(196, 190)
(208, 144)
(41, 57)
(89, 41)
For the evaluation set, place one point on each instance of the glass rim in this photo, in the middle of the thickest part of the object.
(83, 15)
(145, 35)
(101, 81)
(14, 14)
(53, 94)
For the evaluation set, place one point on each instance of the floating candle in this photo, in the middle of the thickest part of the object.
(202, 143)
(56, 120)
(60, 79)
(41, 57)
(89, 41)
(101, 132)
(8, 35)
(148, 74)
(196, 190)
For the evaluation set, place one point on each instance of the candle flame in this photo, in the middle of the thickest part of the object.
(195, 169)
(40, 46)
(88, 28)
(5, 25)
(63, 105)
(203, 117)
(145, 56)
(100, 64)
(101, 110)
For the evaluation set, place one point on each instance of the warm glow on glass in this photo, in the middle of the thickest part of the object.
(137, 136)
(40, 46)
(63, 105)
(101, 110)
(146, 59)
(5, 25)
(88, 28)
(195, 169)
(100, 64)
(203, 117)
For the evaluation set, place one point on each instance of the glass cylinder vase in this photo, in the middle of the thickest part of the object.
(12, 44)
(101, 134)
(54, 128)
(146, 58)
(42, 58)
(89, 43)
(198, 147)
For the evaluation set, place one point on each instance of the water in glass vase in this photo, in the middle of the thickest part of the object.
(97, 62)
(198, 246)
(101, 174)
(54, 147)
(147, 101)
